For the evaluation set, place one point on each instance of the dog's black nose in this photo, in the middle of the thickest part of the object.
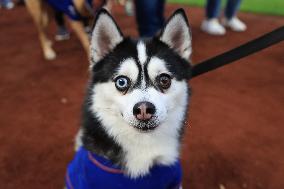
(144, 111)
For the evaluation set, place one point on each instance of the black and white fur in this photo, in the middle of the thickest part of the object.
(109, 127)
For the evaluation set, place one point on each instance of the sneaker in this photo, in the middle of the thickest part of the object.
(62, 34)
(213, 27)
(129, 8)
(234, 24)
(88, 29)
(9, 5)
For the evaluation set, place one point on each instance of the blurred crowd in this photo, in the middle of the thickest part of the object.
(149, 15)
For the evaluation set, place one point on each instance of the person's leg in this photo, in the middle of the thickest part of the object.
(160, 12)
(20, 2)
(78, 28)
(232, 8)
(213, 8)
(59, 18)
(40, 17)
(149, 16)
(231, 19)
(62, 32)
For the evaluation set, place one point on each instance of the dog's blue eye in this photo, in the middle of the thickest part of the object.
(122, 83)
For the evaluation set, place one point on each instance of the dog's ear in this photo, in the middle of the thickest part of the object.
(176, 34)
(105, 36)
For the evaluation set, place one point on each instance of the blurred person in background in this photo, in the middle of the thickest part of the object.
(149, 16)
(212, 25)
(7, 4)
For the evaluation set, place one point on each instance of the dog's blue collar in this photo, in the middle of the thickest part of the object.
(104, 164)
(90, 171)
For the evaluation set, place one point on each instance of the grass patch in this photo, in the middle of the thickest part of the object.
(271, 7)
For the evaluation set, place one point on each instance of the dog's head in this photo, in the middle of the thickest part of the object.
(140, 83)
(139, 88)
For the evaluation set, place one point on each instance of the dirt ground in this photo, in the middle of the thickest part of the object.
(234, 136)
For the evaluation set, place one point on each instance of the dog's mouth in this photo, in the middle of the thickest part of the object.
(142, 125)
(146, 126)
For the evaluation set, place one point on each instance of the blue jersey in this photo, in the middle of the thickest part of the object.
(67, 7)
(90, 171)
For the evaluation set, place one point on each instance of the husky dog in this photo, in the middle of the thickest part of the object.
(135, 109)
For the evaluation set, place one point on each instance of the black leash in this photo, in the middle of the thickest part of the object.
(244, 50)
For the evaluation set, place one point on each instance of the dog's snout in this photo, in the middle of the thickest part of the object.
(144, 110)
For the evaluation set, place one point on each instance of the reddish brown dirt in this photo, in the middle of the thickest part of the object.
(236, 124)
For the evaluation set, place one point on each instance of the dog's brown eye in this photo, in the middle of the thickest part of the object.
(122, 83)
(164, 81)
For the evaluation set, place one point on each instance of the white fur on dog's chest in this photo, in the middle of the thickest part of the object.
(142, 152)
